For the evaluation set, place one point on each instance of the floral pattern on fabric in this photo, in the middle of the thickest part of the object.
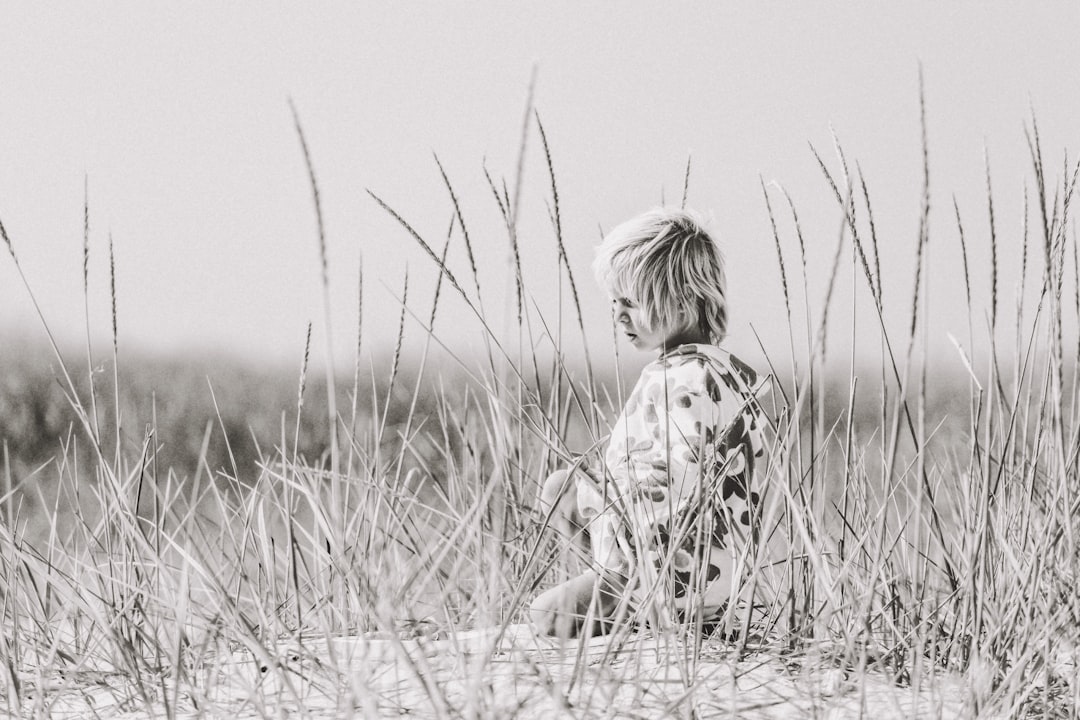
(677, 509)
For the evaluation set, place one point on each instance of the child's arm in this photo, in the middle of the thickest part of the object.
(683, 449)
(699, 464)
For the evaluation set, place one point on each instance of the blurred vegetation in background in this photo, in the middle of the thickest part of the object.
(222, 417)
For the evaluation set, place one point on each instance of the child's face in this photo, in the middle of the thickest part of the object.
(631, 320)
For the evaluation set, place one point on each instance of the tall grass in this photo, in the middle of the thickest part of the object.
(390, 573)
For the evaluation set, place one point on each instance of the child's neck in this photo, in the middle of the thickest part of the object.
(689, 336)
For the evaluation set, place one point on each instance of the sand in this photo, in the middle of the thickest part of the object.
(484, 673)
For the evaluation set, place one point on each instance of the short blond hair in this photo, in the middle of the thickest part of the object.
(666, 262)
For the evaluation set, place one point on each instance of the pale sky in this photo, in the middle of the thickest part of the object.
(178, 115)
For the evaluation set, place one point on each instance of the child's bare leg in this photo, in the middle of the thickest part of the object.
(562, 610)
(558, 504)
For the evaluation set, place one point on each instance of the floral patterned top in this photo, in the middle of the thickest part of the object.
(679, 469)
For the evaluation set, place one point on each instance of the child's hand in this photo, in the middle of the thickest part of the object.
(580, 462)
(589, 462)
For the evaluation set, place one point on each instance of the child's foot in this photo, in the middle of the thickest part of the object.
(563, 610)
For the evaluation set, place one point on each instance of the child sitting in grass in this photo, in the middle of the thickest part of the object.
(670, 518)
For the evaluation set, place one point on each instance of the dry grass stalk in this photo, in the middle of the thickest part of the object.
(901, 558)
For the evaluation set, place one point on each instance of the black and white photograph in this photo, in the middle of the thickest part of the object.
(539, 360)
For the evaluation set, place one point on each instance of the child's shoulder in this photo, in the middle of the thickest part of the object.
(703, 360)
(707, 357)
